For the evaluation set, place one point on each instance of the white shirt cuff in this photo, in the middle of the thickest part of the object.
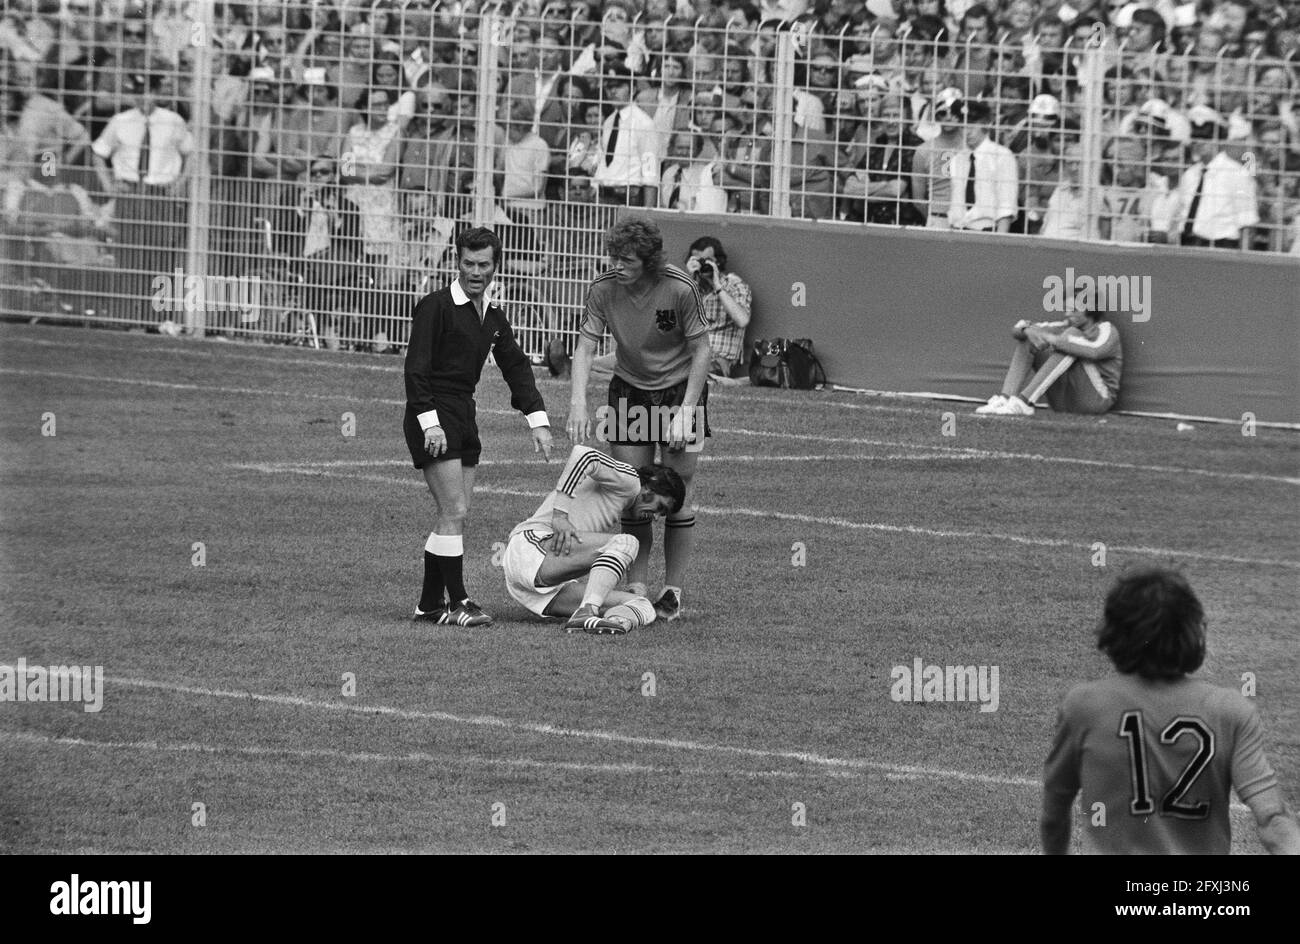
(428, 420)
(537, 419)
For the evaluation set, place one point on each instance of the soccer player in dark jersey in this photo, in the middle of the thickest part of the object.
(1152, 753)
(452, 332)
(659, 392)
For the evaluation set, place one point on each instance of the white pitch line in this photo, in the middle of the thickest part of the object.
(995, 536)
(405, 463)
(414, 757)
(970, 452)
(943, 402)
(808, 758)
(230, 352)
(1018, 456)
(280, 469)
(205, 388)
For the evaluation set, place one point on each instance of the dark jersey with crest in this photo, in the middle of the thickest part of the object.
(651, 328)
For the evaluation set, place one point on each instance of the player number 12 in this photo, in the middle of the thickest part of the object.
(1130, 727)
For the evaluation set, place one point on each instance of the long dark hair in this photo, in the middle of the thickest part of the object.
(1153, 625)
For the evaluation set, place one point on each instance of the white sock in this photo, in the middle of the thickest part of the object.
(638, 611)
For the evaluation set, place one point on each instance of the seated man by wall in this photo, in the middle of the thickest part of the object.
(1076, 362)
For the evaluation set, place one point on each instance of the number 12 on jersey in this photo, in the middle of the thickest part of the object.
(1131, 727)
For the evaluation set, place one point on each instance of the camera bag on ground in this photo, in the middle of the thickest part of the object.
(786, 363)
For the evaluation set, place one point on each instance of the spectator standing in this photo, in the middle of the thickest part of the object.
(690, 181)
(264, 126)
(1137, 205)
(985, 181)
(1065, 216)
(812, 162)
(48, 140)
(1038, 143)
(932, 164)
(428, 156)
(584, 145)
(628, 172)
(388, 75)
(355, 70)
(522, 166)
(889, 197)
(667, 105)
(141, 158)
(368, 170)
(315, 127)
(1218, 199)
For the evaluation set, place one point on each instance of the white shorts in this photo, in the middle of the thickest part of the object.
(522, 560)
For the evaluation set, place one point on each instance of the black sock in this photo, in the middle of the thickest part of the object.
(431, 596)
(453, 575)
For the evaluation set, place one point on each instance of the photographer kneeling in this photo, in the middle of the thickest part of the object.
(726, 303)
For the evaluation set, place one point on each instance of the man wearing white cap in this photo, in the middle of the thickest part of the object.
(1155, 118)
(1218, 200)
(1038, 143)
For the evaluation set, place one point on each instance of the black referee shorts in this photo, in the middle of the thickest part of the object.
(637, 417)
(456, 416)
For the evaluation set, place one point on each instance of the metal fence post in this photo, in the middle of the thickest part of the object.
(1091, 136)
(782, 119)
(200, 195)
(490, 37)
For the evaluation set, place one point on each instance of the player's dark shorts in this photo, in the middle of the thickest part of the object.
(637, 417)
(456, 417)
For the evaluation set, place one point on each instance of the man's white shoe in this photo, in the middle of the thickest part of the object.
(1018, 407)
(996, 404)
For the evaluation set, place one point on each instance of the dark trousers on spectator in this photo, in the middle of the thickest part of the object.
(1212, 243)
(620, 196)
(152, 237)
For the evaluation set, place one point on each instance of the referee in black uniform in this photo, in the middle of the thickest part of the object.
(452, 331)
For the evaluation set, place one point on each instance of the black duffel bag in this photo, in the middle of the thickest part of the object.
(788, 363)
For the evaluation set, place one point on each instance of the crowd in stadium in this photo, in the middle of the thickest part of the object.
(348, 130)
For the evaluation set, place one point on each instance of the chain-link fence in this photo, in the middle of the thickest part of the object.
(296, 172)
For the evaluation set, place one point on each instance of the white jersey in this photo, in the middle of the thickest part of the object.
(593, 490)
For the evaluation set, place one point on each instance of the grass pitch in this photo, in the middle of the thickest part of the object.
(839, 536)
